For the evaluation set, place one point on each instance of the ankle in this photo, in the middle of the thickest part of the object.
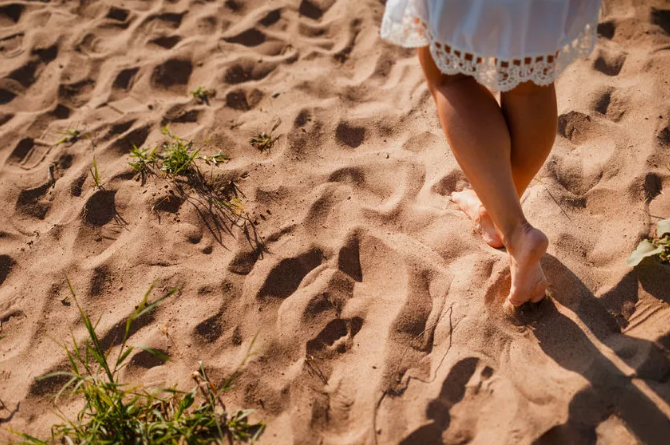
(514, 238)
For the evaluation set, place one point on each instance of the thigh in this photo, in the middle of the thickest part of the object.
(529, 88)
(434, 76)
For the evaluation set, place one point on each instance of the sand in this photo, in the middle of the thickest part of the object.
(377, 309)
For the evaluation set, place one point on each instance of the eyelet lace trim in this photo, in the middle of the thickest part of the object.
(492, 72)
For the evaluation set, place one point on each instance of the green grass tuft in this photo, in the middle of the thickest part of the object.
(216, 159)
(215, 195)
(97, 183)
(263, 141)
(120, 413)
(69, 136)
(178, 155)
(144, 158)
(202, 95)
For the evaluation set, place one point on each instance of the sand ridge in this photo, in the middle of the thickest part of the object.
(377, 308)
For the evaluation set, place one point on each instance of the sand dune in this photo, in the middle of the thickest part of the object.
(378, 310)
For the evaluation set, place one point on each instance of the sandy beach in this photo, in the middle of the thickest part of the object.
(376, 310)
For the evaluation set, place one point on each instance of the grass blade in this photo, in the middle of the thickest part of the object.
(155, 353)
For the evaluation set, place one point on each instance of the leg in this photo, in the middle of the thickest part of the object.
(478, 135)
(532, 120)
(531, 116)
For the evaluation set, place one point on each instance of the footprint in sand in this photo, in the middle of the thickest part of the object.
(172, 75)
(6, 266)
(609, 62)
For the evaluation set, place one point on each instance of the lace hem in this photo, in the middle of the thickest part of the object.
(492, 72)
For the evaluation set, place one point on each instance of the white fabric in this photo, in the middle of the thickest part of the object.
(499, 42)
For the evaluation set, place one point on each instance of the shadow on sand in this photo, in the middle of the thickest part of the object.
(610, 391)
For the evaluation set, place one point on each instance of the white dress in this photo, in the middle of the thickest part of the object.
(499, 42)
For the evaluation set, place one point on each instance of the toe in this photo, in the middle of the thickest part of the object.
(487, 228)
(509, 308)
(456, 196)
(512, 313)
(493, 241)
(513, 299)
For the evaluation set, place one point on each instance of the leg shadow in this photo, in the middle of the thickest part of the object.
(610, 391)
(608, 315)
(453, 390)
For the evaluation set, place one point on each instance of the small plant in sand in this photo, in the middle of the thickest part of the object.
(216, 195)
(178, 155)
(72, 136)
(234, 205)
(144, 158)
(69, 136)
(216, 159)
(263, 141)
(202, 95)
(97, 183)
(659, 247)
(121, 413)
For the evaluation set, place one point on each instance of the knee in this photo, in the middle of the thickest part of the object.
(528, 164)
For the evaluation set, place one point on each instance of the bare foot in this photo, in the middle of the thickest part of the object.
(469, 203)
(525, 248)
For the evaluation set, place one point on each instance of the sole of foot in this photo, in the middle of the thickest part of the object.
(468, 202)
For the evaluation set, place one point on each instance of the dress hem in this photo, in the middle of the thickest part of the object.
(494, 72)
